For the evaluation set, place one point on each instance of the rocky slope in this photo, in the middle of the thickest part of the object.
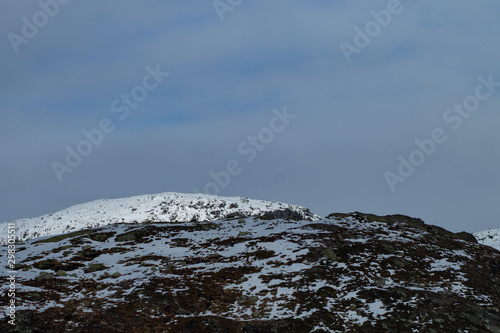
(346, 272)
(163, 207)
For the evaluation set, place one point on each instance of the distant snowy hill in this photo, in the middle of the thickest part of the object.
(489, 237)
(163, 207)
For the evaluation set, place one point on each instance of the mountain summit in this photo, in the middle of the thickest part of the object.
(163, 207)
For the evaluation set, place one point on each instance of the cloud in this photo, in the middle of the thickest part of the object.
(353, 119)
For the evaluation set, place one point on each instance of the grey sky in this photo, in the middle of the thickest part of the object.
(353, 119)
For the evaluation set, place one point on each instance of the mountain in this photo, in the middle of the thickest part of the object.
(281, 270)
(489, 237)
(163, 207)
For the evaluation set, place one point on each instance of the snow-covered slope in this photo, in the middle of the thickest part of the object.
(343, 273)
(489, 237)
(163, 207)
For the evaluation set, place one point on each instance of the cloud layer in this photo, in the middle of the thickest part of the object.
(353, 119)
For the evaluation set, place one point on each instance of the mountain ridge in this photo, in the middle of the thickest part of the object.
(169, 207)
(161, 207)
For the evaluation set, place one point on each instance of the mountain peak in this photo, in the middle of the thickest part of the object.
(161, 207)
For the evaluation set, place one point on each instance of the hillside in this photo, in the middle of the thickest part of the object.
(345, 272)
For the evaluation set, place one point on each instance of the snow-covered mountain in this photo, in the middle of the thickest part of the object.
(343, 273)
(489, 237)
(163, 207)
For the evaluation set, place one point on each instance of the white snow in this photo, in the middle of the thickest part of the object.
(163, 207)
(377, 308)
(444, 265)
(490, 237)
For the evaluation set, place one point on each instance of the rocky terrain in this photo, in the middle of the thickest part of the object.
(275, 272)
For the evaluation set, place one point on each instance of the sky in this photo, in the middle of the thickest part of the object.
(384, 107)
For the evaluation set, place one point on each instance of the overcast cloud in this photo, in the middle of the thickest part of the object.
(350, 117)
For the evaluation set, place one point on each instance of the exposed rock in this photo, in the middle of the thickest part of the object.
(466, 236)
